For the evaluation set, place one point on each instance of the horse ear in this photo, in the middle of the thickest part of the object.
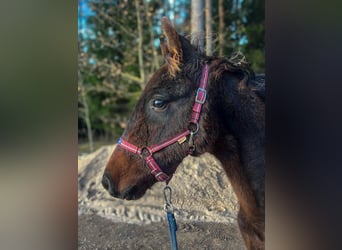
(172, 50)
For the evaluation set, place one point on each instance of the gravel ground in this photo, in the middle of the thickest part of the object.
(96, 232)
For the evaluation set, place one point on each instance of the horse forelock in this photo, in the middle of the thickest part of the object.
(173, 61)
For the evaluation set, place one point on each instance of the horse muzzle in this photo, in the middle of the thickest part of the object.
(129, 193)
(108, 185)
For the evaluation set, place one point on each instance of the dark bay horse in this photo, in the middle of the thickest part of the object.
(196, 104)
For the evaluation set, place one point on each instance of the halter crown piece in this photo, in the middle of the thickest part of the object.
(147, 152)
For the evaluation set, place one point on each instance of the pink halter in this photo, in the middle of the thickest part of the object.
(147, 152)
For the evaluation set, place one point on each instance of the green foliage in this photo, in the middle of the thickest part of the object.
(255, 33)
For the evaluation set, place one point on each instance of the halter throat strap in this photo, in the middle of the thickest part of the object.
(147, 152)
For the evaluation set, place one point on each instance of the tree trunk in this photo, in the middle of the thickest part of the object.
(86, 117)
(208, 30)
(155, 61)
(236, 6)
(140, 44)
(197, 23)
(221, 27)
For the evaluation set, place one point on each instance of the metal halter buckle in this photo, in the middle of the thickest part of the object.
(201, 95)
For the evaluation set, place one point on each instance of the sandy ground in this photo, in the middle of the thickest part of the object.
(205, 209)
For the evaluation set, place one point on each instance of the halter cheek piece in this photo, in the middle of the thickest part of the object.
(147, 152)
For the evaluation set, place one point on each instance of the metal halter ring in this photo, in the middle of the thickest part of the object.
(145, 152)
(196, 129)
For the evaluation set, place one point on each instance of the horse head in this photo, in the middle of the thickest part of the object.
(163, 113)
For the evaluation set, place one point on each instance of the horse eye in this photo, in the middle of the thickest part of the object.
(159, 104)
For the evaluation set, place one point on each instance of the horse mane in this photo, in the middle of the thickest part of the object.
(235, 63)
(238, 65)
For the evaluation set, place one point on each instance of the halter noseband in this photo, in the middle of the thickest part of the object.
(147, 152)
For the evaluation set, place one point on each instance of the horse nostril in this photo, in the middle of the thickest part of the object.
(106, 181)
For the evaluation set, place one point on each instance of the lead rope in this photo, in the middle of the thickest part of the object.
(170, 217)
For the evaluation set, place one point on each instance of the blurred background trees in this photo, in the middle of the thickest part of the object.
(118, 44)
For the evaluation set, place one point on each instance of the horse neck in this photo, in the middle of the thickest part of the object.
(240, 113)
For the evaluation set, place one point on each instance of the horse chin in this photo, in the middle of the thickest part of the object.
(132, 193)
